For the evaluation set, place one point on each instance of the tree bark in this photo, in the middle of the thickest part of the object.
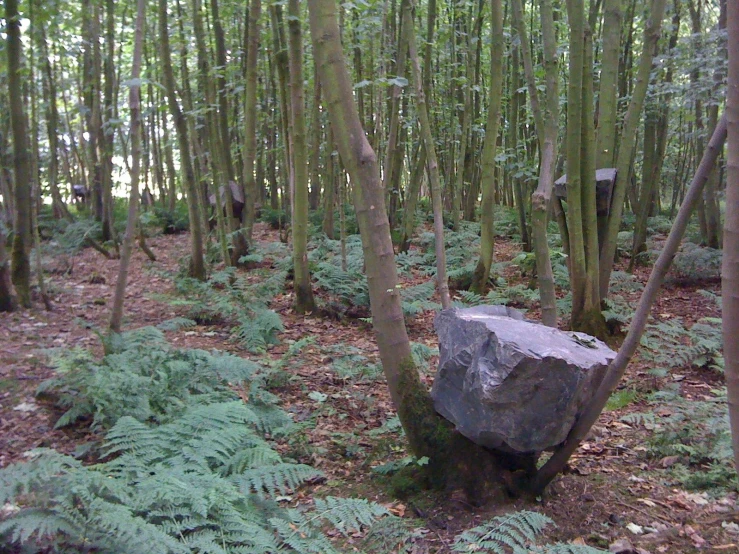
(197, 268)
(250, 117)
(408, 394)
(730, 264)
(20, 260)
(487, 178)
(442, 283)
(628, 137)
(304, 302)
(134, 102)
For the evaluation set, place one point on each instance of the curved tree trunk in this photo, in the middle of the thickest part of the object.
(626, 146)
(408, 394)
(442, 283)
(617, 367)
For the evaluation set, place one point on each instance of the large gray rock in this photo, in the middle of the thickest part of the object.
(510, 384)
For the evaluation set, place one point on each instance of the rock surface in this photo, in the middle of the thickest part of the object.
(510, 384)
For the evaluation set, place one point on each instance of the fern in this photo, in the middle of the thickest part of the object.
(696, 263)
(516, 533)
(179, 487)
(275, 479)
(697, 432)
(670, 344)
(141, 377)
(176, 323)
(257, 330)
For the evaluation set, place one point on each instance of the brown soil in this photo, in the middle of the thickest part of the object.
(611, 482)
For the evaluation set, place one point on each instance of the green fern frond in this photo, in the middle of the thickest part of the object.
(518, 531)
(277, 479)
(349, 514)
(176, 323)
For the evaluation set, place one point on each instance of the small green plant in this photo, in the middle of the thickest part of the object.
(232, 298)
(696, 432)
(670, 344)
(696, 263)
(515, 533)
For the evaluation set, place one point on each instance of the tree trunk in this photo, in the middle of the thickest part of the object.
(20, 261)
(52, 128)
(730, 266)
(433, 165)
(605, 149)
(134, 102)
(487, 178)
(250, 117)
(197, 268)
(222, 92)
(304, 302)
(409, 396)
(106, 137)
(329, 193)
(411, 200)
(628, 138)
(541, 199)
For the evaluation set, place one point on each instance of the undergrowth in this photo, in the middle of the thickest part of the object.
(189, 466)
(695, 432)
(240, 300)
(669, 344)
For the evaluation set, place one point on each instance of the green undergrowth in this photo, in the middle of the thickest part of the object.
(691, 437)
(668, 345)
(237, 299)
(187, 464)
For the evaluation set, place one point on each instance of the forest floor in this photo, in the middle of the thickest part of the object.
(614, 490)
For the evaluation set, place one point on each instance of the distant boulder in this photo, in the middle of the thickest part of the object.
(510, 384)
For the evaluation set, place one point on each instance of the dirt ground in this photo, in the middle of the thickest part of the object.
(612, 492)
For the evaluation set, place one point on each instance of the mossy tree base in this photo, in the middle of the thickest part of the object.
(591, 322)
(480, 279)
(304, 301)
(21, 272)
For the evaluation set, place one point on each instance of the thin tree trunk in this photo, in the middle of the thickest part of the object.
(730, 264)
(197, 268)
(605, 149)
(487, 178)
(220, 80)
(250, 118)
(411, 200)
(52, 128)
(433, 165)
(329, 200)
(628, 137)
(541, 200)
(20, 261)
(134, 102)
(7, 300)
(408, 394)
(304, 302)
